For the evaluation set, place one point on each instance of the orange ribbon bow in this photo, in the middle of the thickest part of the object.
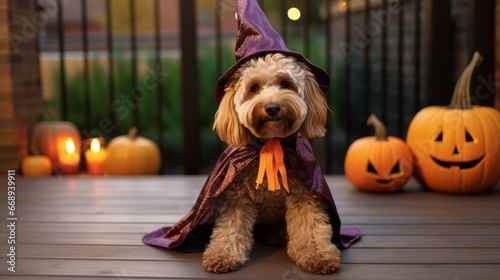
(271, 162)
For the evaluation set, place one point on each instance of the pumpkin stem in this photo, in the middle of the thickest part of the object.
(132, 132)
(461, 94)
(380, 131)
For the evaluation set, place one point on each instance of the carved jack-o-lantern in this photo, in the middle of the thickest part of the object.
(378, 163)
(457, 148)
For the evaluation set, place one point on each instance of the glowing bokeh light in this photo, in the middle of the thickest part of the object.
(293, 13)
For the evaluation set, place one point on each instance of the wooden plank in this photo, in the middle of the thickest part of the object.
(183, 205)
(252, 270)
(262, 253)
(435, 209)
(178, 186)
(367, 241)
(417, 204)
(91, 227)
(439, 229)
(19, 277)
(421, 241)
(422, 256)
(169, 218)
(377, 229)
(102, 218)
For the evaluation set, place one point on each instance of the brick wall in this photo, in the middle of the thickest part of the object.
(20, 95)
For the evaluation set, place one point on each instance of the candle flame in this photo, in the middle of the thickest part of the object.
(95, 146)
(70, 146)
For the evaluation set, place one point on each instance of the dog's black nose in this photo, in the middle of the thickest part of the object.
(272, 109)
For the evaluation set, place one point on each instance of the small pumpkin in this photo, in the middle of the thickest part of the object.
(50, 138)
(36, 165)
(456, 147)
(378, 163)
(132, 155)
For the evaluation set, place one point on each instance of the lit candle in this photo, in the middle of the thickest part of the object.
(95, 158)
(69, 157)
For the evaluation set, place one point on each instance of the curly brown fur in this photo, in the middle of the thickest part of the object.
(240, 207)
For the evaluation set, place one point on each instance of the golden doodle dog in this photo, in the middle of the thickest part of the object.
(271, 97)
(267, 183)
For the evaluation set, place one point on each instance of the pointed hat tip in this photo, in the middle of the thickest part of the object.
(256, 37)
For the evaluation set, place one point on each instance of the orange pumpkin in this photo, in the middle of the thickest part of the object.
(132, 155)
(36, 165)
(456, 147)
(378, 163)
(50, 139)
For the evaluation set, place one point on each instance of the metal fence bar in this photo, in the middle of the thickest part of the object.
(307, 26)
(438, 58)
(85, 48)
(62, 69)
(284, 21)
(218, 39)
(158, 69)
(348, 117)
(111, 69)
(189, 88)
(416, 61)
(400, 92)
(367, 69)
(329, 70)
(383, 70)
(481, 38)
(133, 50)
(218, 47)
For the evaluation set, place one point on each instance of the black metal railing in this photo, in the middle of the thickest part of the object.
(385, 57)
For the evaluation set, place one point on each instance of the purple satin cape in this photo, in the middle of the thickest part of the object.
(195, 228)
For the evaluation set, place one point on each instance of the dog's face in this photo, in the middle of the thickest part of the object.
(271, 97)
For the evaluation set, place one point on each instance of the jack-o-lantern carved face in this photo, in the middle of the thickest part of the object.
(395, 172)
(379, 163)
(456, 148)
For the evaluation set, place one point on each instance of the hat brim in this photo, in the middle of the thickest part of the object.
(321, 76)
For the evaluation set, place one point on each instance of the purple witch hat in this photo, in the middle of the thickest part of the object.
(256, 37)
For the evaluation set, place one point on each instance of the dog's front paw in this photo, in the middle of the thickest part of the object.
(220, 263)
(321, 261)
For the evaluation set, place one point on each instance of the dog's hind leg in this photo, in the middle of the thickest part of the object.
(310, 233)
(231, 241)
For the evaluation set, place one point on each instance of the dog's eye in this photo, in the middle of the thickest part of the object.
(254, 88)
(285, 84)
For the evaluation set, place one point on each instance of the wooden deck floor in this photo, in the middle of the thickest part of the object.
(87, 228)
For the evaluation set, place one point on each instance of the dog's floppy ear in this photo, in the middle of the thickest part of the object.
(317, 109)
(226, 123)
